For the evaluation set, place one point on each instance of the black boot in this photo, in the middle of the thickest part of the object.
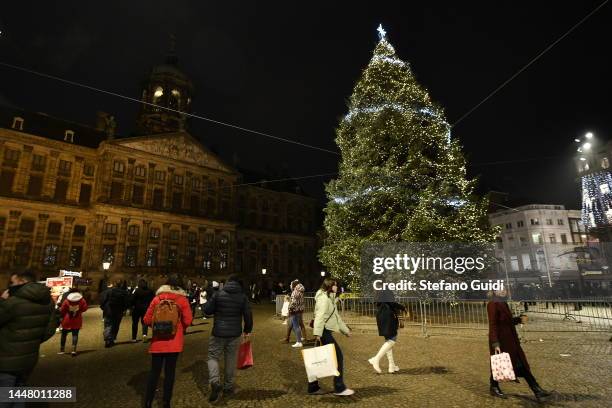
(496, 391)
(540, 393)
(215, 393)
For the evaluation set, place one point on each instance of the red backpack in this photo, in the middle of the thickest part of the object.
(166, 316)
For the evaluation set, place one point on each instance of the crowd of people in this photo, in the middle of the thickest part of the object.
(28, 317)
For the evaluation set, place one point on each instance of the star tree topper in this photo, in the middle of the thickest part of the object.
(381, 32)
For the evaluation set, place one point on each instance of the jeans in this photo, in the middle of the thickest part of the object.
(295, 323)
(75, 338)
(12, 380)
(328, 338)
(168, 361)
(138, 317)
(111, 328)
(228, 346)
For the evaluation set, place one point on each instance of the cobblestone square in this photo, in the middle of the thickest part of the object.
(444, 370)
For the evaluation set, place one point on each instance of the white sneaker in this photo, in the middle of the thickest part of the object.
(203, 317)
(347, 392)
(284, 322)
(297, 345)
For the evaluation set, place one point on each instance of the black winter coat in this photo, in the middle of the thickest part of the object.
(141, 298)
(230, 306)
(387, 319)
(27, 318)
(114, 301)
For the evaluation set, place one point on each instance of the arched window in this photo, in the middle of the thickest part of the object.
(17, 123)
(158, 93)
(69, 136)
(174, 101)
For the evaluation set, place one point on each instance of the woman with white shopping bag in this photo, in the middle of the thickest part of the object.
(326, 321)
(504, 339)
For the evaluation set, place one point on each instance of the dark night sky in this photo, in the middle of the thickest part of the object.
(287, 69)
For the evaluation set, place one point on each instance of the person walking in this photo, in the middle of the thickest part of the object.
(72, 310)
(140, 299)
(296, 311)
(326, 321)
(27, 319)
(203, 299)
(165, 349)
(194, 298)
(387, 321)
(113, 302)
(230, 308)
(503, 338)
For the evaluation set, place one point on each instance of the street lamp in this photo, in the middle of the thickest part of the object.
(322, 273)
(263, 271)
(106, 266)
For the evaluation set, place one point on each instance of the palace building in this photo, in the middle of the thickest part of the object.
(74, 197)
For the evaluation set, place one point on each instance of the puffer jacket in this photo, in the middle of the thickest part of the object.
(296, 304)
(326, 314)
(230, 306)
(27, 318)
(174, 344)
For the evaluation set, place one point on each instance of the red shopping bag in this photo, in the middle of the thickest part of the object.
(245, 355)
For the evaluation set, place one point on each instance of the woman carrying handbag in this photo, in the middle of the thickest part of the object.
(503, 338)
(326, 321)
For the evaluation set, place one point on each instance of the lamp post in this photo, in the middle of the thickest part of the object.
(322, 274)
(263, 271)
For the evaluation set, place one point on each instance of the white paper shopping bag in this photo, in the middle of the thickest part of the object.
(285, 309)
(501, 367)
(320, 362)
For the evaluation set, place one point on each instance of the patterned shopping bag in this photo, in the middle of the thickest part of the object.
(501, 367)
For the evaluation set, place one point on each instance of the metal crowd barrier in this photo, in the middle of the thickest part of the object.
(433, 315)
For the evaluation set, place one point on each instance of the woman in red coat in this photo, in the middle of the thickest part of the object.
(72, 310)
(504, 339)
(165, 350)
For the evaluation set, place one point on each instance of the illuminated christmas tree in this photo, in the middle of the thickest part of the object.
(401, 176)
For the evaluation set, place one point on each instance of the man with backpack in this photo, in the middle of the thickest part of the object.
(113, 303)
(230, 307)
(169, 315)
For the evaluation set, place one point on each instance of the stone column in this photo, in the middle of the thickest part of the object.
(169, 185)
(8, 248)
(64, 250)
(150, 186)
(187, 191)
(50, 175)
(95, 242)
(182, 246)
(163, 247)
(75, 182)
(39, 239)
(104, 178)
(129, 181)
(199, 262)
(144, 242)
(120, 249)
(23, 170)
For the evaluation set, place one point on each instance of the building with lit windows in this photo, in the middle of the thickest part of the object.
(74, 196)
